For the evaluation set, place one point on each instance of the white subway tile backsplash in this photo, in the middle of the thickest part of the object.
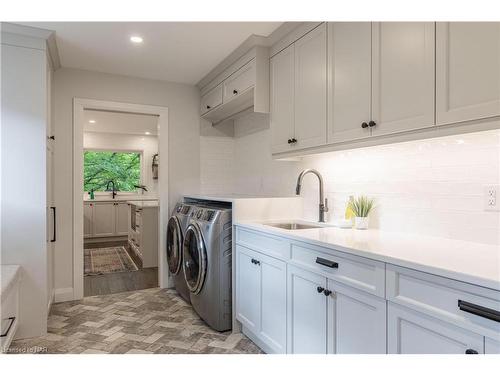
(432, 186)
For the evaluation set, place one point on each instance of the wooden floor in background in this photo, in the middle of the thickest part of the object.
(118, 282)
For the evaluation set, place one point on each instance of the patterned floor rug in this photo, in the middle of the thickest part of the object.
(107, 260)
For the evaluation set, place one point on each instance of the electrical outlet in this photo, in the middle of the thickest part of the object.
(491, 198)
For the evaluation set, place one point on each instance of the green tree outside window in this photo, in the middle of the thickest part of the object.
(124, 168)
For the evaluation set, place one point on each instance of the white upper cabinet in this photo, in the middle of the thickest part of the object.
(282, 99)
(402, 76)
(310, 89)
(211, 99)
(467, 71)
(349, 83)
(239, 82)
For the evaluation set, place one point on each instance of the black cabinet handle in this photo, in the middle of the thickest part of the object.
(12, 320)
(327, 263)
(293, 140)
(471, 351)
(320, 289)
(289, 141)
(364, 125)
(255, 261)
(54, 224)
(208, 107)
(479, 310)
(327, 292)
(235, 92)
(371, 124)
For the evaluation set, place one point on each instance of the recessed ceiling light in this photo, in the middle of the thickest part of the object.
(136, 39)
(147, 133)
(92, 121)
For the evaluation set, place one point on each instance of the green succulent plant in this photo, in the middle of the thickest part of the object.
(362, 206)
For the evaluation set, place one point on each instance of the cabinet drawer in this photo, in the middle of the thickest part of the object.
(239, 82)
(439, 297)
(267, 244)
(360, 273)
(211, 99)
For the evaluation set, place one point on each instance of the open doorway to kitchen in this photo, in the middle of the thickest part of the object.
(118, 176)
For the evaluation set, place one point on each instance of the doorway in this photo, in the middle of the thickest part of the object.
(118, 241)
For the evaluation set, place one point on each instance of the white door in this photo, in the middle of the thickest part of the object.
(467, 71)
(411, 332)
(311, 89)
(273, 303)
(356, 321)
(121, 219)
(104, 219)
(248, 286)
(88, 210)
(491, 346)
(50, 201)
(282, 99)
(349, 89)
(402, 76)
(307, 315)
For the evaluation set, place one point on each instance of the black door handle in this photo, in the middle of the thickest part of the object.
(53, 224)
(471, 351)
(327, 263)
(479, 310)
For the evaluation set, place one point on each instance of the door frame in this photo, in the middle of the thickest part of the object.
(79, 106)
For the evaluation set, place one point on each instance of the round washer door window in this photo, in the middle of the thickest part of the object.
(174, 245)
(194, 259)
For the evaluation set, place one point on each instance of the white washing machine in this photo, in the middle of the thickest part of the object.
(207, 251)
(176, 227)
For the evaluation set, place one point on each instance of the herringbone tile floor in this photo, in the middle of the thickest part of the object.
(146, 321)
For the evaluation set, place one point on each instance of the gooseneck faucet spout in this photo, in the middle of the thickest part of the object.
(323, 202)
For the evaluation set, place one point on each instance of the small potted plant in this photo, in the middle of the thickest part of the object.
(361, 206)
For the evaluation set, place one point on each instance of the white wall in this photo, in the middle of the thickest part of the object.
(431, 186)
(23, 201)
(183, 149)
(148, 144)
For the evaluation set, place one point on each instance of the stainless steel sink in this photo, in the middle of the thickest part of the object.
(294, 226)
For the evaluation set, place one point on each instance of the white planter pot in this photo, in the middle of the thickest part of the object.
(361, 222)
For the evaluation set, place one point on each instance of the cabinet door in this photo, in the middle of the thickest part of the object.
(467, 71)
(307, 319)
(273, 303)
(248, 286)
(121, 219)
(402, 76)
(356, 321)
(310, 89)
(87, 220)
(211, 100)
(239, 82)
(282, 99)
(104, 219)
(349, 89)
(411, 332)
(491, 346)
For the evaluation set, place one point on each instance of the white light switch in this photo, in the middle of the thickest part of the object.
(491, 198)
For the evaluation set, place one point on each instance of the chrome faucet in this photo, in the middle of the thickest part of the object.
(323, 202)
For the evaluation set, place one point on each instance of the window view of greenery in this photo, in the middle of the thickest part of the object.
(100, 167)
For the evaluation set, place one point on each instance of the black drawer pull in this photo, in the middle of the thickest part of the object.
(327, 263)
(471, 351)
(479, 310)
(54, 224)
(12, 320)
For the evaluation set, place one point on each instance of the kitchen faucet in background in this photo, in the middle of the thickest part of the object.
(114, 189)
(323, 202)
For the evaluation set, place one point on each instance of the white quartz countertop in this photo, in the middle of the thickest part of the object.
(121, 198)
(144, 204)
(227, 197)
(9, 276)
(465, 261)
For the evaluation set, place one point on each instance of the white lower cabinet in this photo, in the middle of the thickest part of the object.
(356, 321)
(411, 332)
(261, 297)
(121, 216)
(491, 346)
(104, 219)
(307, 312)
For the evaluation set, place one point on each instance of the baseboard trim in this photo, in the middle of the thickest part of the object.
(63, 295)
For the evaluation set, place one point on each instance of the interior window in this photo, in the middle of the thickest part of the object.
(100, 167)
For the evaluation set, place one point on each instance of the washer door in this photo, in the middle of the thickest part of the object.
(195, 258)
(174, 245)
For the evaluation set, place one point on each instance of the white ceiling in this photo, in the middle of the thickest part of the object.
(172, 51)
(119, 123)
